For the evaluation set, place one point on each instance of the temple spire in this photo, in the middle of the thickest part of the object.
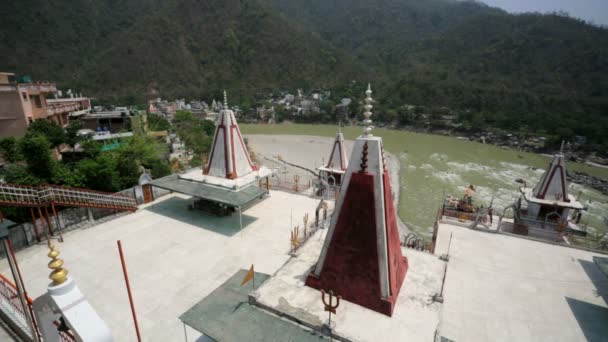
(367, 113)
(225, 99)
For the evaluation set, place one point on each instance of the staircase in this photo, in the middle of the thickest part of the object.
(29, 196)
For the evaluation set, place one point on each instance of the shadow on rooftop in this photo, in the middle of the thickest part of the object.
(591, 318)
(177, 209)
(599, 279)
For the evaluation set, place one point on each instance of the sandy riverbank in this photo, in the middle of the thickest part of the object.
(311, 152)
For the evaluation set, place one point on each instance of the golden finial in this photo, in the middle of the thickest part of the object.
(59, 274)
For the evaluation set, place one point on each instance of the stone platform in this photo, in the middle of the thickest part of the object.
(415, 317)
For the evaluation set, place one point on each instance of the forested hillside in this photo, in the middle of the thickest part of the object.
(541, 73)
(186, 48)
(533, 72)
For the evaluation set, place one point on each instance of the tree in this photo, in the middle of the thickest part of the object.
(53, 133)
(36, 152)
(100, 173)
(9, 150)
(183, 117)
(19, 174)
(71, 133)
(158, 123)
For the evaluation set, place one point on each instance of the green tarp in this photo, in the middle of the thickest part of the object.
(226, 315)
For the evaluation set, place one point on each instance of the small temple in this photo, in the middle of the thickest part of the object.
(335, 168)
(550, 195)
(361, 257)
(229, 157)
(229, 180)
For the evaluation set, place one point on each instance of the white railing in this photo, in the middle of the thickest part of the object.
(62, 108)
(44, 195)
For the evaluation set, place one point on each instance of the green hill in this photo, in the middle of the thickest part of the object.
(544, 73)
(139, 48)
(538, 72)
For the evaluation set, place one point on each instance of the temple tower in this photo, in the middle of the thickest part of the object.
(335, 168)
(229, 157)
(361, 259)
(549, 200)
(552, 184)
(63, 313)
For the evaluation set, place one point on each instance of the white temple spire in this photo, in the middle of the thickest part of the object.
(225, 99)
(367, 113)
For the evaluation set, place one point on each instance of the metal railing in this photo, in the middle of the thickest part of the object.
(10, 304)
(461, 215)
(62, 108)
(20, 195)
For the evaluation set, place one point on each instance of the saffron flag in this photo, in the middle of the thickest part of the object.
(248, 276)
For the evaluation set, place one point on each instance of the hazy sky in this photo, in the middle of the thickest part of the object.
(589, 10)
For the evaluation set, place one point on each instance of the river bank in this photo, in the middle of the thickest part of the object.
(432, 166)
(532, 144)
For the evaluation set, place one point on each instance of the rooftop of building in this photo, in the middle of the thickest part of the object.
(508, 288)
(175, 258)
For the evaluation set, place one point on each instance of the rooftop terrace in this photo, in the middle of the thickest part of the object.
(175, 257)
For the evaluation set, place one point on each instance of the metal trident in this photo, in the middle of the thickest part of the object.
(295, 238)
(296, 179)
(329, 305)
(305, 219)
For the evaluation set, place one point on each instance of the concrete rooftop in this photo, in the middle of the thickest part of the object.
(506, 288)
(175, 258)
(415, 317)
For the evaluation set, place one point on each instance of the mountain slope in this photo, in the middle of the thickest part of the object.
(543, 72)
(170, 48)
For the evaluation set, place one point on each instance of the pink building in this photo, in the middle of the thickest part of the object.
(22, 103)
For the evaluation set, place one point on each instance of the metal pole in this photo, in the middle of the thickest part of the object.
(35, 225)
(124, 271)
(12, 250)
(20, 290)
(43, 223)
(48, 220)
(241, 218)
(57, 221)
(185, 332)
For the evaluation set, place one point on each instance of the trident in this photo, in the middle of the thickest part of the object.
(329, 306)
(296, 179)
(294, 237)
(305, 219)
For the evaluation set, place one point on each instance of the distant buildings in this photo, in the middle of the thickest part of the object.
(200, 109)
(23, 102)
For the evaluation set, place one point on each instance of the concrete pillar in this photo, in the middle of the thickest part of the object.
(90, 214)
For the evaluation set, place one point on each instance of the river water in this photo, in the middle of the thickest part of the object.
(433, 166)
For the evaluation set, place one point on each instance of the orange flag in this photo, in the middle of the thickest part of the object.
(248, 276)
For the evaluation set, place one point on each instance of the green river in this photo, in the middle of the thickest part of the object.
(433, 166)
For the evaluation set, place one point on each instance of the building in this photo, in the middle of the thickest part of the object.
(112, 121)
(23, 102)
(229, 181)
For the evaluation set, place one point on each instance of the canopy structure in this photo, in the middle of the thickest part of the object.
(226, 315)
(241, 198)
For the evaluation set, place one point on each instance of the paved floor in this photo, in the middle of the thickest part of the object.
(505, 288)
(175, 257)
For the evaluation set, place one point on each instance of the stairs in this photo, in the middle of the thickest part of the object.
(42, 196)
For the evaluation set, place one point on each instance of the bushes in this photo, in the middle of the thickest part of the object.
(104, 171)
